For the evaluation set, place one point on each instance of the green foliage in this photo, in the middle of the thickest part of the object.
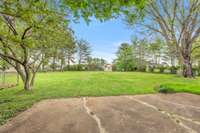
(125, 60)
(3, 65)
(140, 50)
(102, 9)
(161, 68)
(95, 64)
(83, 51)
(165, 89)
(173, 69)
(31, 23)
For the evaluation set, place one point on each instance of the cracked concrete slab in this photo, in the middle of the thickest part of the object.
(53, 116)
(123, 115)
(174, 113)
(190, 108)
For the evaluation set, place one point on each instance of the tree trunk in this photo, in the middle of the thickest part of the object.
(61, 66)
(173, 61)
(54, 63)
(27, 82)
(62, 62)
(43, 67)
(187, 65)
(27, 85)
(68, 63)
(33, 79)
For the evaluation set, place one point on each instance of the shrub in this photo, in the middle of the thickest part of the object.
(173, 69)
(151, 69)
(141, 69)
(161, 69)
(196, 71)
(164, 89)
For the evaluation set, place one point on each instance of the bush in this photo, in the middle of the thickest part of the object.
(161, 69)
(196, 71)
(141, 69)
(199, 72)
(173, 69)
(164, 89)
(151, 69)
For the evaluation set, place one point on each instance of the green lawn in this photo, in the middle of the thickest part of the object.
(75, 84)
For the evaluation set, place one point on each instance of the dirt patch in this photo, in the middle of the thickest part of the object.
(174, 113)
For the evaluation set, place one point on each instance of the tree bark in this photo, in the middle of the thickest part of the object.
(33, 79)
(187, 65)
(43, 67)
(27, 82)
(54, 63)
(27, 85)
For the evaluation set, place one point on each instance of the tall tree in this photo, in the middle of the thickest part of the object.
(83, 51)
(140, 48)
(125, 60)
(178, 22)
(155, 49)
(70, 50)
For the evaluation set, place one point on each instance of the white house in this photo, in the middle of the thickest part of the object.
(108, 67)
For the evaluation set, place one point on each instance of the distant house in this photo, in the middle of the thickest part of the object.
(108, 67)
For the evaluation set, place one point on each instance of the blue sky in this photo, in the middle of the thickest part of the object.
(104, 37)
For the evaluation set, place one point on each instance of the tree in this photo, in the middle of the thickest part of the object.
(155, 48)
(25, 27)
(125, 60)
(70, 51)
(95, 64)
(83, 52)
(140, 48)
(177, 21)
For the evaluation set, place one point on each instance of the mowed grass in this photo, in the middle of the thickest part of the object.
(77, 84)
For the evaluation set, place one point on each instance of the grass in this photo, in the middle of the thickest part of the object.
(76, 84)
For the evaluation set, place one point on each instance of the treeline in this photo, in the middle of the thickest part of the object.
(72, 55)
(151, 56)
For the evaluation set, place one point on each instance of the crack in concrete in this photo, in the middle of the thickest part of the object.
(91, 114)
(174, 117)
(174, 103)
